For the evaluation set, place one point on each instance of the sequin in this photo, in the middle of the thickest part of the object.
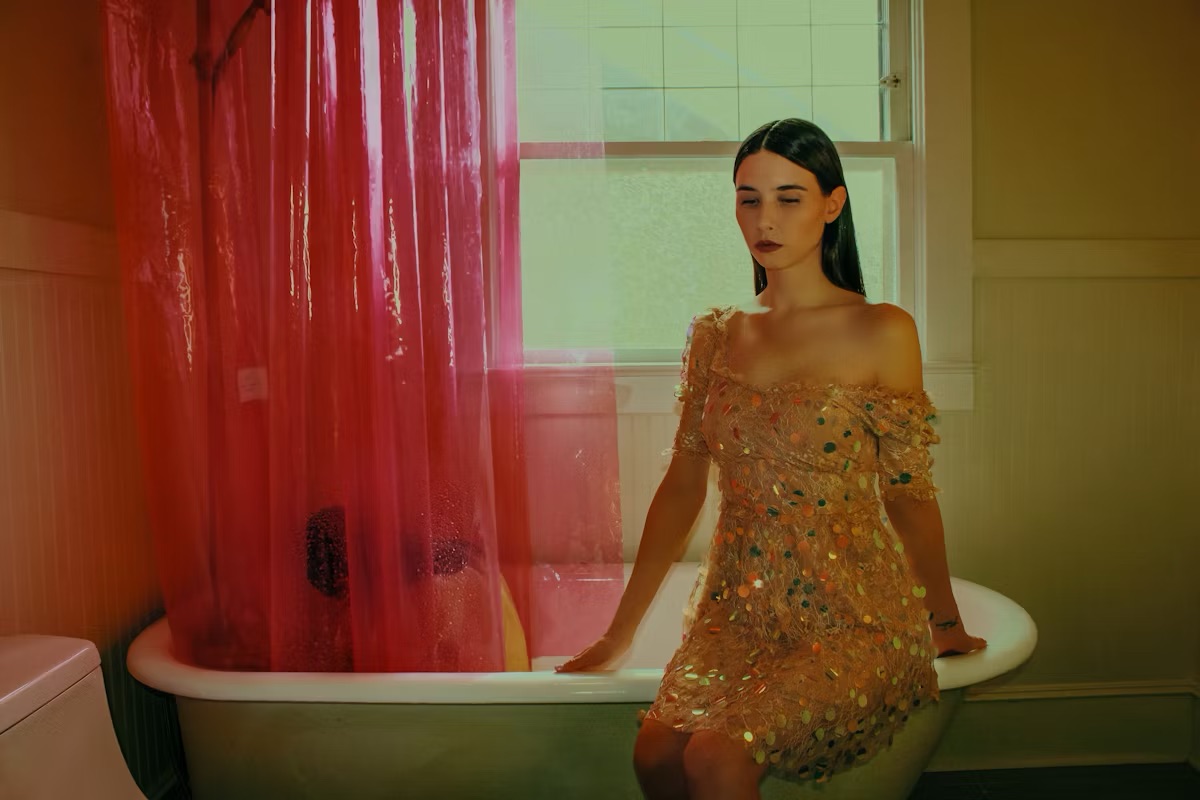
(782, 535)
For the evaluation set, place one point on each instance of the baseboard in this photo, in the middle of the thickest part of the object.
(1058, 725)
(1194, 758)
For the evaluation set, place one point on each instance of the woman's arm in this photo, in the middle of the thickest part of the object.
(672, 513)
(918, 521)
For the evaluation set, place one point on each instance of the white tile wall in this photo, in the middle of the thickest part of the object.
(625, 12)
(844, 12)
(773, 12)
(632, 115)
(552, 13)
(845, 55)
(627, 57)
(847, 113)
(759, 105)
(700, 57)
(553, 115)
(702, 114)
(699, 12)
(789, 46)
(775, 56)
(553, 58)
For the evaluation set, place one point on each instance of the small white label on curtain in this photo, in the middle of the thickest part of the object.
(252, 384)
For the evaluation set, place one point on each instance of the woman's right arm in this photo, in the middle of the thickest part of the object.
(675, 506)
(672, 513)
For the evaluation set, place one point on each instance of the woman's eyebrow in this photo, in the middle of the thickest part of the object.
(784, 188)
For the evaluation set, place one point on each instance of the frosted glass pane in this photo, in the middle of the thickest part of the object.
(620, 253)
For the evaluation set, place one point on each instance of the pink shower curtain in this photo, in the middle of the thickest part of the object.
(347, 466)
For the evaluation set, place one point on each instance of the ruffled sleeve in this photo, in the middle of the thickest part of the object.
(903, 424)
(692, 390)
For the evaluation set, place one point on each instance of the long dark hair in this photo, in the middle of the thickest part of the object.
(803, 143)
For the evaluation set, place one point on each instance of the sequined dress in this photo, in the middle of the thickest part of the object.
(806, 638)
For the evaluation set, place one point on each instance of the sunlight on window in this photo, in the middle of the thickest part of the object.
(621, 252)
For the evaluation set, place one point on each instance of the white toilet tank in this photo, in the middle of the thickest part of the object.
(56, 735)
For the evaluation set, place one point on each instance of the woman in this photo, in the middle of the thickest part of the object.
(817, 616)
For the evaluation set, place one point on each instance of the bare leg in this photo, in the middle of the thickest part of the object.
(658, 761)
(720, 769)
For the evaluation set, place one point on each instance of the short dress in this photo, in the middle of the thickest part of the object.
(806, 637)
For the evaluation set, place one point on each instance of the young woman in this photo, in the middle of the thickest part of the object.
(825, 595)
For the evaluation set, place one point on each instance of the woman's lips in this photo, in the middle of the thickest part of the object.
(767, 247)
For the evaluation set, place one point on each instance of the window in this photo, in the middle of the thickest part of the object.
(630, 112)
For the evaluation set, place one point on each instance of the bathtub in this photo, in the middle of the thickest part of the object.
(502, 735)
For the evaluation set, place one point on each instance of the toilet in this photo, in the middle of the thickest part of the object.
(56, 736)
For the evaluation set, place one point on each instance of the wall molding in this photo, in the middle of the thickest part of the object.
(30, 243)
(1087, 258)
(1072, 724)
(1062, 691)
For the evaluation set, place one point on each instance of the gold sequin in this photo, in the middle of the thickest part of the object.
(811, 603)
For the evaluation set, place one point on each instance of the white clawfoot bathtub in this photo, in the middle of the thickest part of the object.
(502, 735)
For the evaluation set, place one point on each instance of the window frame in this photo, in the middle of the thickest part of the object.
(928, 119)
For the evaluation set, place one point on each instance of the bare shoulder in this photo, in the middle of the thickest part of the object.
(895, 346)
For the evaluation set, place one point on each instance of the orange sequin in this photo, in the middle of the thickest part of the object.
(804, 593)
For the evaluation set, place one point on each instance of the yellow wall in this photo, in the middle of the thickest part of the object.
(53, 138)
(1072, 487)
(76, 555)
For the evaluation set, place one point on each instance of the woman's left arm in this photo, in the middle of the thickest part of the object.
(918, 523)
(916, 518)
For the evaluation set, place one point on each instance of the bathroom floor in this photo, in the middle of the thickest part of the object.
(1125, 782)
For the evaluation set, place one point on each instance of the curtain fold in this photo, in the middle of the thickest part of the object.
(347, 466)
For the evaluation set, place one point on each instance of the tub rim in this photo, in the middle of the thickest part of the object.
(1010, 631)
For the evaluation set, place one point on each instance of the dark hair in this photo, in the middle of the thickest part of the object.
(803, 143)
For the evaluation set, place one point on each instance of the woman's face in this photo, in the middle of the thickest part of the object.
(781, 210)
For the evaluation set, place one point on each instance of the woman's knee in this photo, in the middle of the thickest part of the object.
(712, 759)
(658, 749)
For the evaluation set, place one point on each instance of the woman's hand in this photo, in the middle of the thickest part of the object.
(956, 642)
(597, 655)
